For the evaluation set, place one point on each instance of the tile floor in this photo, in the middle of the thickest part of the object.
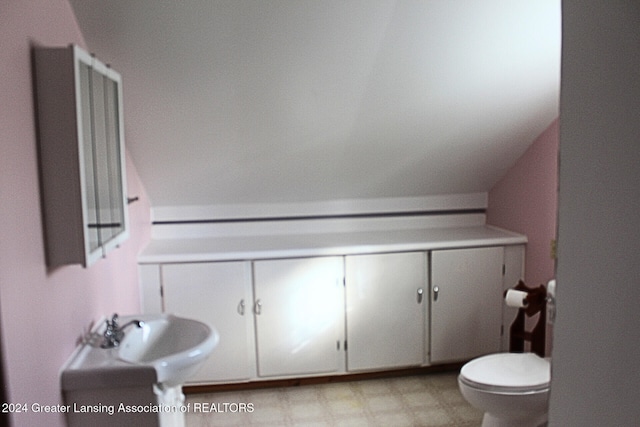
(427, 400)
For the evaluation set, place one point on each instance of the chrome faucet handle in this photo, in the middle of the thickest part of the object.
(114, 321)
(112, 333)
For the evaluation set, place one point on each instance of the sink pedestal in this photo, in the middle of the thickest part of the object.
(171, 397)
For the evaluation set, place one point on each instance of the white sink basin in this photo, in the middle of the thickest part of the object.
(166, 350)
(176, 347)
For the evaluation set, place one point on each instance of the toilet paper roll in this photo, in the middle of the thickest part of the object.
(551, 302)
(515, 298)
(551, 288)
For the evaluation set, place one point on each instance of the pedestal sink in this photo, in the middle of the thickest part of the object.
(139, 382)
(174, 346)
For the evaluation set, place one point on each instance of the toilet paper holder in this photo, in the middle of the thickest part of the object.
(535, 302)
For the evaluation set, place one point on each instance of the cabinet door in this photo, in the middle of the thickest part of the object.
(299, 315)
(218, 294)
(466, 305)
(386, 308)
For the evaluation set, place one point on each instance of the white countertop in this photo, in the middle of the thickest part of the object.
(323, 244)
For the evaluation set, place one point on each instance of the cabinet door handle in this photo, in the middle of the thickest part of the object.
(420, 292)
(258, 307)
(436, 290)
(241, 307)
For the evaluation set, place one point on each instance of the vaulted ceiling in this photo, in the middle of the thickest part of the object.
(271, 101)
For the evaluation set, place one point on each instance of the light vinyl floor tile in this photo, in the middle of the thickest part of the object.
(416, 401)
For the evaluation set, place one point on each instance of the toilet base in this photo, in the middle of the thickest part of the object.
(490, 420)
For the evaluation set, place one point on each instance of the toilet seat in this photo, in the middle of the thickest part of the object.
(508, 373)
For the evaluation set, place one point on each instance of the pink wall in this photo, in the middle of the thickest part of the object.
(43, 313)
(525, 200)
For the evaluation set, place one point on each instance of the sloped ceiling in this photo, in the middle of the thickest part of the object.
(284, 101)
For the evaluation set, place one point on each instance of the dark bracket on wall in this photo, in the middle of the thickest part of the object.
(536, 302)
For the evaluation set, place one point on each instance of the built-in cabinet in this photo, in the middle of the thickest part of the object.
(466, 303)
(299, 316)
(330, 315)
(386, 310)
(220, 295)
(81, 143)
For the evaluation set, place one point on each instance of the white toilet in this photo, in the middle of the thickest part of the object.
(512, 389)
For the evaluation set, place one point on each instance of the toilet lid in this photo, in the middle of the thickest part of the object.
(512, 371)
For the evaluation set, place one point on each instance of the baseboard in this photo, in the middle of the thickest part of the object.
(328, 379)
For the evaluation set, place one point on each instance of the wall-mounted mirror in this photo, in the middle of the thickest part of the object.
(81, 142)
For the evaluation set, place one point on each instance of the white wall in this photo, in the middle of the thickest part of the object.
(595, 380)
(290, 101)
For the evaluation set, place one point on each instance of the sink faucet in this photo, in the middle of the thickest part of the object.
(114, 333)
